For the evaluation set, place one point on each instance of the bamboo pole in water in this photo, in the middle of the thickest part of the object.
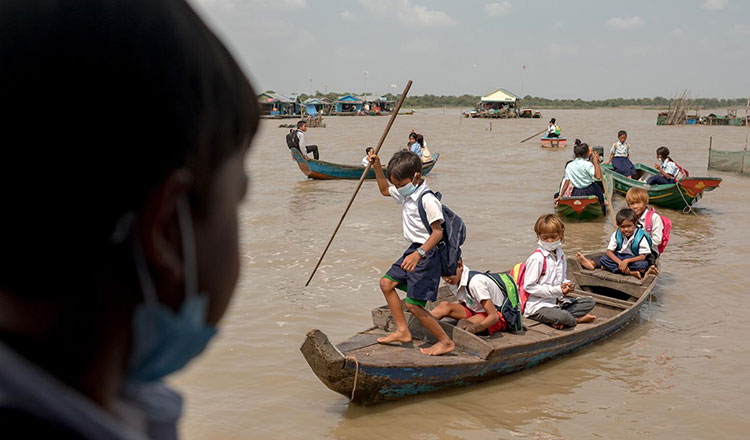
(362, 179)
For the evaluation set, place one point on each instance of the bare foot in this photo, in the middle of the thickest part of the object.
(636, 274)
(653, 270)
(438, 349)
(585, 262)
(585, 319)
(557, 326)
(397, 336)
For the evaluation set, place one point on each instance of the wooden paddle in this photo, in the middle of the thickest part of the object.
(362, 179)
(533, 135)
(609, 202)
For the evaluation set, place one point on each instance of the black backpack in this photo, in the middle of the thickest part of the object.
(454, 235)
(292, 140)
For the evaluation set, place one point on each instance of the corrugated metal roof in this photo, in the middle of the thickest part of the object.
(500, 95)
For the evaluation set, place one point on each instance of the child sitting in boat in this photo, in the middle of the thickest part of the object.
(545, 281)
(656, 226)
(481, 298)
(553, 130)
(619, 155)
(667, 168)
(413, 145)
(629, 249)
(419, 267)
(370, 152)
(581, 173)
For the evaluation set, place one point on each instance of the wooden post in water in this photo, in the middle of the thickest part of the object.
(362, 179)
(710, 144)
(747, 132)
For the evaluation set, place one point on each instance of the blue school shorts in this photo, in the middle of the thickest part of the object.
(422, 284)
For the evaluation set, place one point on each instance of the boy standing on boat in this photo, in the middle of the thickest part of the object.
(297, 140)
(419, 268)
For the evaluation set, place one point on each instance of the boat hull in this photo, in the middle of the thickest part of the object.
(321, 170)
(369, 373)
(584, 207)
(554, 142)
(674, 196)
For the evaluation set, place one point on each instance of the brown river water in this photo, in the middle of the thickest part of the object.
(678, 371)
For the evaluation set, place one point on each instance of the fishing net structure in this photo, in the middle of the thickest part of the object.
(678, 108)
(732, 161)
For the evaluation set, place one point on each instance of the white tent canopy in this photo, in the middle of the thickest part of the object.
(500, 95)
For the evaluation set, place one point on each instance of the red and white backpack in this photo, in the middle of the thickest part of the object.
(519, 274)
(665, 233)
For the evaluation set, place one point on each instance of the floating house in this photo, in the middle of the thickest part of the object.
(348, 104)
(316, 106)
(377, 104)
(498, 100)
(278, 105)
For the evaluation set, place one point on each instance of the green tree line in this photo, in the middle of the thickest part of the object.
(469, 101)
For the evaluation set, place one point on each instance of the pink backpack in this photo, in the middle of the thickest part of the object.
(667, 228)
(519, 274)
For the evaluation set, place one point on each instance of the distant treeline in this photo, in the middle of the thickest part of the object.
(469, 101)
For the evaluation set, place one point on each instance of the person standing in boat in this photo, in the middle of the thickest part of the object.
(545, 281)
(296, 139)
(419, 268)
(99, 305)
(619, 155)
(553, 130)
(582, 174)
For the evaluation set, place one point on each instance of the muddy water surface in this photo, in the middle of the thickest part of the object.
(679, 371)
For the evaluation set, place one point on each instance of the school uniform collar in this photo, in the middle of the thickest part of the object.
(420, 189)
(464, 278)
(546, 253)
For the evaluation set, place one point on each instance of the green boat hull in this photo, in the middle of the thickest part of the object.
(674, 195)
(584, 207)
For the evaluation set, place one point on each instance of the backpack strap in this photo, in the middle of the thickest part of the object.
(544, 265)
(618, 239)
(640, 234)
(649, 221)
(422, 212)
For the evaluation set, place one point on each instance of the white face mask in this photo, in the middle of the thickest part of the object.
(550, 246)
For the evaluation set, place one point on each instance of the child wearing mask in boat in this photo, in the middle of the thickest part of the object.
(545, 281)
(667, 168)
(480, 298)
(619, 155)
(581, 173)
(419, 267)
(628, 251)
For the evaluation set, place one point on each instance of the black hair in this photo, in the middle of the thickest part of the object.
(367, 150)
(626, 214)
(577, 142)
(552, 121)
(415, 136)
(663, 152)
(301, 123)
(404, 165)
(420, 139)
(581, 150)
(622, 132)
(117, 95)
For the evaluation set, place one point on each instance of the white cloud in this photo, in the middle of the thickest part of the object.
(420, 45)
(406, 13)
(714, 5)
(497, 9)
(348, 16)
(624, 24)
(678, 32)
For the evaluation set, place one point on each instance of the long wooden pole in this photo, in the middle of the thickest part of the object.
(747, 131)
(362, 179)
(608, 196)
(535, 134)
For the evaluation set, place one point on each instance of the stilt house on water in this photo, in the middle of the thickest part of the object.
(498, 104)
(315, 106)
(276, 105)
(348, 105)
(377, 105)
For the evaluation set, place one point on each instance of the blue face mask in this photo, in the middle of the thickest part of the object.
(164, 341)
(407, 190)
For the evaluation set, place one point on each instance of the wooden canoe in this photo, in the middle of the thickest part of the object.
(674, 195)
(368, 373)
(554, 142)
(318, 169)
(584, 207)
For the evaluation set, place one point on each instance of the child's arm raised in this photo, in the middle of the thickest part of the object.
(597, 167)
(379, 175)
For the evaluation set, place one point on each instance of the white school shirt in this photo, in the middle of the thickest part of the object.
(580, 172)
(545, 292)
(302, 143)
(643, 248)
(657, 228)
(620, 150)
(551, 129)
(481, 288)
(670, 167)
(414, 229)
(365, 161)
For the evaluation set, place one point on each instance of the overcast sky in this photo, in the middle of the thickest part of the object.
(587, 49)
